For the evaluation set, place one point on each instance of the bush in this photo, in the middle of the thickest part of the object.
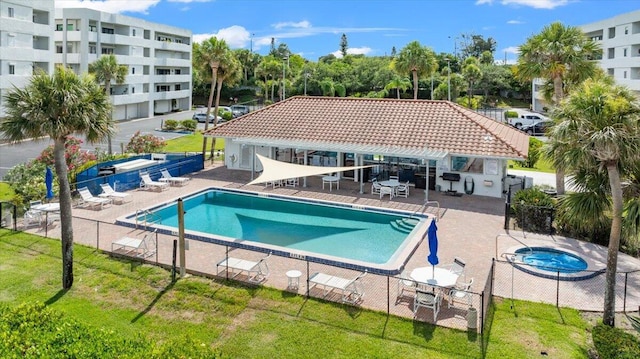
(189, 125)
(74, 156)
(171, 125)
(27, 180)
(36, 331)
(533, 210)
(148, 143)
(510, 114)
(535, 151)
(226, 115)
(614, 343)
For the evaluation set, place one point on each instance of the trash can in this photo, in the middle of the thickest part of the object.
(438, 188)
(472, 318)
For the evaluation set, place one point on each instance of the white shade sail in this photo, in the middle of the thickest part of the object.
(275, 170)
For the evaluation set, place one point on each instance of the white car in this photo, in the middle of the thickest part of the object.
(527, 119)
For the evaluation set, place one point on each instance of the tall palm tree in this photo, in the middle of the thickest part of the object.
(556, 53)
(58, 106)
(207, 57)
(230, 71)
(106, 69)
(472, 73)
(399, 84)
(598, 126)
(418, 60)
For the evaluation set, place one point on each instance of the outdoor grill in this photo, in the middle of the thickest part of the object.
(451, 177)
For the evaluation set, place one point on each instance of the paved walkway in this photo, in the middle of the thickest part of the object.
(469, 227)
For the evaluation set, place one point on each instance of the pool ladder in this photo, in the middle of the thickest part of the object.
(504, 255)
(149, 218)
(424, 207)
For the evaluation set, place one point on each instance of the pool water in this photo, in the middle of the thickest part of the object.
(363, 235)
(552, 260)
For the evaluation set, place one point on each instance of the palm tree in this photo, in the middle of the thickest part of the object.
(105, 69)
(59, 106)
(230, 71)
(418, 60)
(557, 53)
(472, 73)
(207, 57)
(398, 83)
(598, 127)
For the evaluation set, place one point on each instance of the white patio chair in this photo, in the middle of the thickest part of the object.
(88, 200)
(429, 300)
(32, 218)
(461, 294)
(116, 197)
(402, 190)
(386, 191)
(375, 187)
(147, 183)
(174, 181)
(391, 178)
(405, 283)
(457, 267)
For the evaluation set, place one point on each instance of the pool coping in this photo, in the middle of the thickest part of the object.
(394, 266)
(590, 272)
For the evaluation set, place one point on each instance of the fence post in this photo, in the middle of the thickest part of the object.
(306, 260)
(507, 209)
(156, 246)
(15, 218)
(624, 299)
(388, 296)
(97, 234)
(173, 260)
(226, 261)
(558, 289)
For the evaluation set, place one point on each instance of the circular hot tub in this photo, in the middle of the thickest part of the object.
(552, 263)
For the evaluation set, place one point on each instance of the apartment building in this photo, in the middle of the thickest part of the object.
(158, 58)
(619, 38)
(26, 42)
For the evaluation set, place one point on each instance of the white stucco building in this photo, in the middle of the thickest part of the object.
(26, 42)
(619, 38)
(158, 57)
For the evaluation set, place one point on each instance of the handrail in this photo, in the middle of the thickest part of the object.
(424, 206)
(155, 218)
(512, 237)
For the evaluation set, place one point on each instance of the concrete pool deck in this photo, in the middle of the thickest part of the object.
(468, 228)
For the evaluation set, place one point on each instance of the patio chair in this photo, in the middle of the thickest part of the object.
(147, 183)
(88, 200)
(116, 197)
(391, 178)
(375, 186)
(256, 271)
(461, 293)
(32, 218)
(402, 190)
(430, 300)
(457, 267)
(350, 289)
(291, 182)
(386, 191)
(174, 181)
(405, 283)
(137, 247)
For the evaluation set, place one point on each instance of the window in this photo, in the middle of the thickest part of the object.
(133, 90)
(93, 28)
(467, 164)
(178, 41)
(106, 30)
(624, 75)
(69, 27)
(178, 87)
(162, 88)
(58, 49)
(133, 32)
(58, 27)
(10, 12)
(163, 72)
(624, 52)
(177, 71)
(92, 49)
(626, 30)
(12, 69)
(133, 70)
(107, 51)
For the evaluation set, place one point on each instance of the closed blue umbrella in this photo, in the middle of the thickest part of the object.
(433, 245)
(48, 181)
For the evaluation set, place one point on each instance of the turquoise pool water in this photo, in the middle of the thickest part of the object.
(362, 235)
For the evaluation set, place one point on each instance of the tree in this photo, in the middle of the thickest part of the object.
(398, 83)
(598, 127)
(343, 45)
(59, 106)
(105, 69)
(475, 45)
(556, 53)
(208, 56)
(417, 60)
(472, 73)
(230, 70)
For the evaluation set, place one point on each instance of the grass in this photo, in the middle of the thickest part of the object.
(543, 165)
(250, 322)
(191, 143)
(6, 192)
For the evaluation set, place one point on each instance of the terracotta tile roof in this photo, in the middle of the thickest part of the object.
(395, 127)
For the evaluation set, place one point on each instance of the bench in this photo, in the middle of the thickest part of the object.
(256, 271)
(350, 289)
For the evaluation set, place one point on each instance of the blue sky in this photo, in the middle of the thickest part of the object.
(312, 28)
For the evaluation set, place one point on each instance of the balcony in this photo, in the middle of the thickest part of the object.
(172, 62)
(130, 98)
(169, 95)
(172, 46)
(171, 78)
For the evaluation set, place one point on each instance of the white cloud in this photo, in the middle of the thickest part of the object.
(515, 22)
(354, 51)
(512, 50)
(235, 36)
(298, 25)
(536, 4)
(111, 6)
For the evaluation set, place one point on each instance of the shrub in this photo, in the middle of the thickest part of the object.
(170, 125)
(510, 114)
(615, 343)
(148, 143)
(533, 210)
(226, 115)
(74, 156)
(535, 151)
(27, 180)
(189, 125)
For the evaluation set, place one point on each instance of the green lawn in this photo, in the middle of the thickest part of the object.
(249, 322)
(543, 165)
(191, 143)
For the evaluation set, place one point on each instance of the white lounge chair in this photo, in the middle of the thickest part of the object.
(350, 289)
(256, 271)
(142, 248)
(32, 218)
(116, 197)
(147, 183)
(88, 200)
(430, 300)
(174, 181)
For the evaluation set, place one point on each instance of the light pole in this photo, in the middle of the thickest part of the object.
(448, 81)
(251, 44)
(284, 77)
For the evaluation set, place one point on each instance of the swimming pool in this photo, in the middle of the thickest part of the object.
(375, 239)
(552, 263)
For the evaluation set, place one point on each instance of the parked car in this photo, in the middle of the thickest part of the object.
(537, 129)
(527, 119)
(200, 117)
(239, 110)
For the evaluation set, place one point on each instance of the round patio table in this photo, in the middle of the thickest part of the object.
(439, 277)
